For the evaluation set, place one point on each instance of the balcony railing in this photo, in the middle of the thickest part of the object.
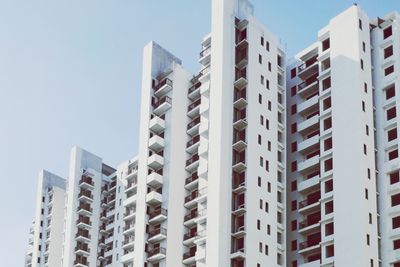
(162, 83)
(85, 207)
(309, 243)
(309, 222)
(86, 194)
(193, 159)
(205, 52)
(194, 87)
(164, 99)
(193, 123)
(159, 231)
(156, 251)
(194, 140)
(189, 255)
(194, 105)
(157, 212)
(191, 178)
(86, 180)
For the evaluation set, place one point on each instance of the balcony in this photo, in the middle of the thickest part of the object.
(83, 236)
(129, 213)
(312, 222)
(311, 203)
(153, 198)
(156, 143)
(239, 186)
(163, 87)
(308, 145)
(308, 164)
(309, 105)
(194, 216)
(194, 197)
(84, 209)
(309, 184)
(158, 216)
(194, 90)
(239, 208)
(309, 245)
(205, 74)
(128, 256)
(239, 141)
(205, 56)
(191, 181)
(82, 249)
(130, 199)
(308, 87)
(193, 144)
(239, 162)
(192, 163)
(241, 57)
(85, 196)
(155, 161)
(189, 237)
(162, 105)
(83, 223)
(241, 79)
(86, 182)
(129, 242)
(193, 108)
(81, 262)
(239, 231)
(154, 180)
(131, 185)
(189, 258)
(156, 254)
(309, 125)
(193, 126)
(240, 99)
(308, 68)
(156, 235)
(239, 120)
(157, 124)
(129, 228)
(238, 253)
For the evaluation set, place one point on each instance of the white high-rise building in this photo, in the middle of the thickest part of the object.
(45, 244)
(218, 181)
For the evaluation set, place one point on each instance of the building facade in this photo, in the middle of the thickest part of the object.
(219, 181)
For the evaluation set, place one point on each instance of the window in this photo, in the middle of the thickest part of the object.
(266, 207)
(366, 130)
(363, 46)
(328, 144)
(267, 84)
(293, 91)
(259, 181)
(258, 224)
(260, 59)
(294, 263)
(327, 103)
(294, 205)
(326, 84)
(293, 109)
(396, 244)
(267, 165)
(360, 24)
(365, 87)
(294, 225)
(363, 106)
(328, 164)
(294, 147)
(267, 124)
(369, 173)
(269, 187)
(394, 177)
(389, 70)
(261, 119)
(294, 166)
(267, 46)
(396, 222)
(262, 41)
(294, 128)
(269, 66)
(392, 134)
(259, 98)
(266, 249)
(366, 193)
(329, 186)
(394, 154)
(261, 161)
(365, 149)
(259, 139)
(268, 229)
(269, 105)
(329, 250)
(368, 240)
(329, 229)
(260, 247)
(387, 32)
(395, 199)
(269, 146)
(294, 245)
(329, 207)
(388, 51)
(328, 123)
(362, 64)
(391, 113)
(262, 79)
(294, 186)
(370, 218)
(390, 92)
(325, 44)
(293, 73)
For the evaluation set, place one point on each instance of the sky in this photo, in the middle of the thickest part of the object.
(70, 73)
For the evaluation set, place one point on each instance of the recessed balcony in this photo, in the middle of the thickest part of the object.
(189, 258)
(239, 164)
(163, 87)
(129, 242)
(84, 223)
(130, 199)
(239, 209)
(82, 249)
(81, 262)
(189, 238)
(162, 105)
(309, 125)
(310, 224)
(239, 187)
(308, 185)
(153, 198)
(155, 161)
(238, 253)
(310, 245)
(308, 145)
(205, 56)
(239, 142)
(129, 228)
(157, 124)
(308, 164)
(308, 87)
(156, 143)
(154, 180)
(241, 81)
(239, 231)
(158, 216)
(156, 254)
(86, 182)
(308, 68)
(85, 196)
(309, 105)
(156, 235)
(83, 236)
(129, 214)
(84, 210)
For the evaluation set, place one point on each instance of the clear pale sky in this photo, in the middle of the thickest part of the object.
(70, 74)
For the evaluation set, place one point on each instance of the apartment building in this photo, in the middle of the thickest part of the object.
(45, 243)
(385, 57)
